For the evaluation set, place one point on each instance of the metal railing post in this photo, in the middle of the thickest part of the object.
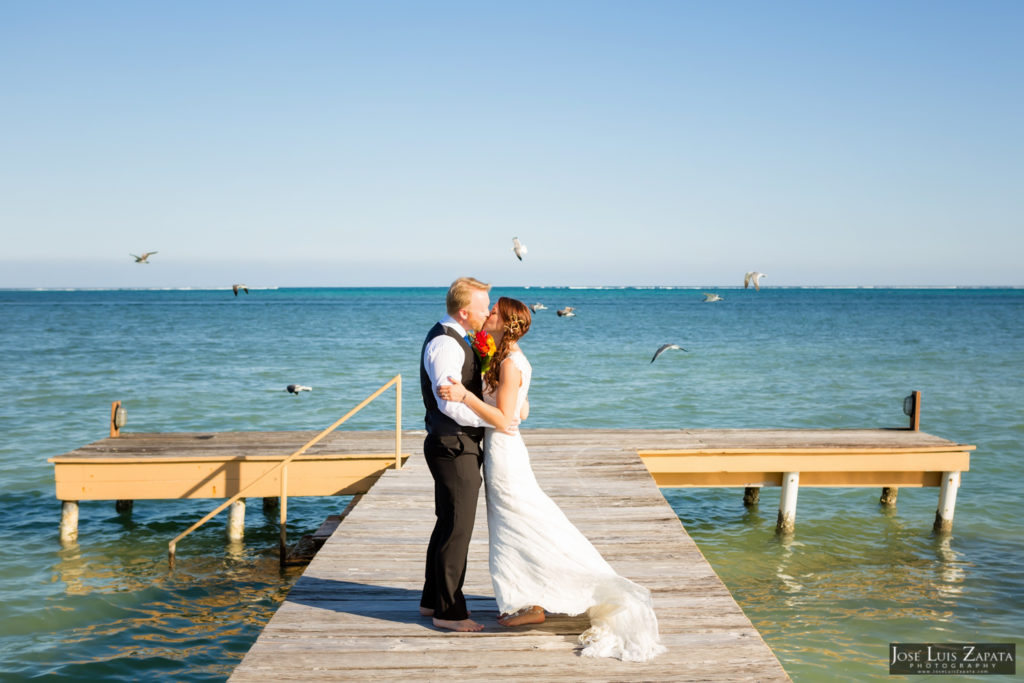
(284, 513)
(398, 423)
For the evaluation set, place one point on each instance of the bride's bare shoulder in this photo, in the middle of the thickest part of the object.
(510, 361)
(518, 361)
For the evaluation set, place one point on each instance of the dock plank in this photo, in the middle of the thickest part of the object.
(353, 614)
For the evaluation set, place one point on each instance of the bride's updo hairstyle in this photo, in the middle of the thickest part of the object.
(515, 316)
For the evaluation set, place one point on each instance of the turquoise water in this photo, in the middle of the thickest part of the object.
(854, 577)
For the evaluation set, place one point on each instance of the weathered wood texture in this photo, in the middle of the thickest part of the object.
(217, 465)
(353, 614)
(823, 457)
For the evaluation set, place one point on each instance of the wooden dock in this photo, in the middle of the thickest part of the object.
(140, 466)
(353, 614)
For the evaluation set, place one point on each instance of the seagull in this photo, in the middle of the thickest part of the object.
(539, 307)
(567, 312)
(665, 347)
(709, 297)
(755, 277)
(518, 247)
(144, 258)
(235, 288)
(296, 388)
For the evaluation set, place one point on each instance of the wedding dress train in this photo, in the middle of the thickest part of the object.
(537, 556)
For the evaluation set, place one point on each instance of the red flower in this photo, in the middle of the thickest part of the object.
(484, 347)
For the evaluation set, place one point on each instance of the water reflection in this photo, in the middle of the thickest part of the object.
(235, 550)
(70, 569)
(818, 596)
(950, 567)
(206, 610)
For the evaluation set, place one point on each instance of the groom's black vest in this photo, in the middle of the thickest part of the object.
(439, 424)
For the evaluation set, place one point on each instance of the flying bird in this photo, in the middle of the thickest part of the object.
(296, 388)
(235, 288)
(538, 307)
(755, 277)
(665, 347)
(144, 258)
(518, 247)
(709, 297)
(567, 312)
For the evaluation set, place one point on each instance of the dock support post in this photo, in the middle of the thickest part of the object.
(915, 411)
(889, 495)
(124, 507)
(787, 503)
(947, 502)
(236, 520)
(270, 503)
(751, 495)
(69, 522)
(117, 419)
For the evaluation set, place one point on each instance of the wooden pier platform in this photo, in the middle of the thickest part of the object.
(353, 614)
(140, 466)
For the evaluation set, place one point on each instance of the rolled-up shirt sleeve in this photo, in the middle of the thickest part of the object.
(443, 358)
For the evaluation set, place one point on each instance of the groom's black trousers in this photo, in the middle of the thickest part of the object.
(454, 462)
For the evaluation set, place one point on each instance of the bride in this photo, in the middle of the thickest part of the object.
(538, 560)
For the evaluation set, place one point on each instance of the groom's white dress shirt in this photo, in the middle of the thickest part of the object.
(443, 358)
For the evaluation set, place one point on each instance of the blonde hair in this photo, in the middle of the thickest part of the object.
(461, 291)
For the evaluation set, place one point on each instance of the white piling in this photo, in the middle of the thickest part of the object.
(787, 503)
(947, 501)
(236, 520)
(69, 522)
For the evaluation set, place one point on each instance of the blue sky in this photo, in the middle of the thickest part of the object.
(406, 143)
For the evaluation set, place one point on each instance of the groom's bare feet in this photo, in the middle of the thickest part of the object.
(534, 615)
(427, 612)
(460, 625)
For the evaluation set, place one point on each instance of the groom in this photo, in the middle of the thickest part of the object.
(452, 450)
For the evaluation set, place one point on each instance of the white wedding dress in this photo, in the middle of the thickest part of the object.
(537, 556)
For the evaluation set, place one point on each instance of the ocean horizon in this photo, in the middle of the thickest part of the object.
(198, 288)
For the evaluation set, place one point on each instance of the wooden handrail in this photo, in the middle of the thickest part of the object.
(283, 465)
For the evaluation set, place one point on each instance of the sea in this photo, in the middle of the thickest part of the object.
(853, 578)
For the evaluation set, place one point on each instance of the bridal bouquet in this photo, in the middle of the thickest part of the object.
(484, 348)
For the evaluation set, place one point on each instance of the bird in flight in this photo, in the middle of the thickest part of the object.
(665, 347)
(296, 388)
(144, 258)
(235, 288)
(567, 312)
(753, 277)
(518, 247)
(538, 307)
(709, 297)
